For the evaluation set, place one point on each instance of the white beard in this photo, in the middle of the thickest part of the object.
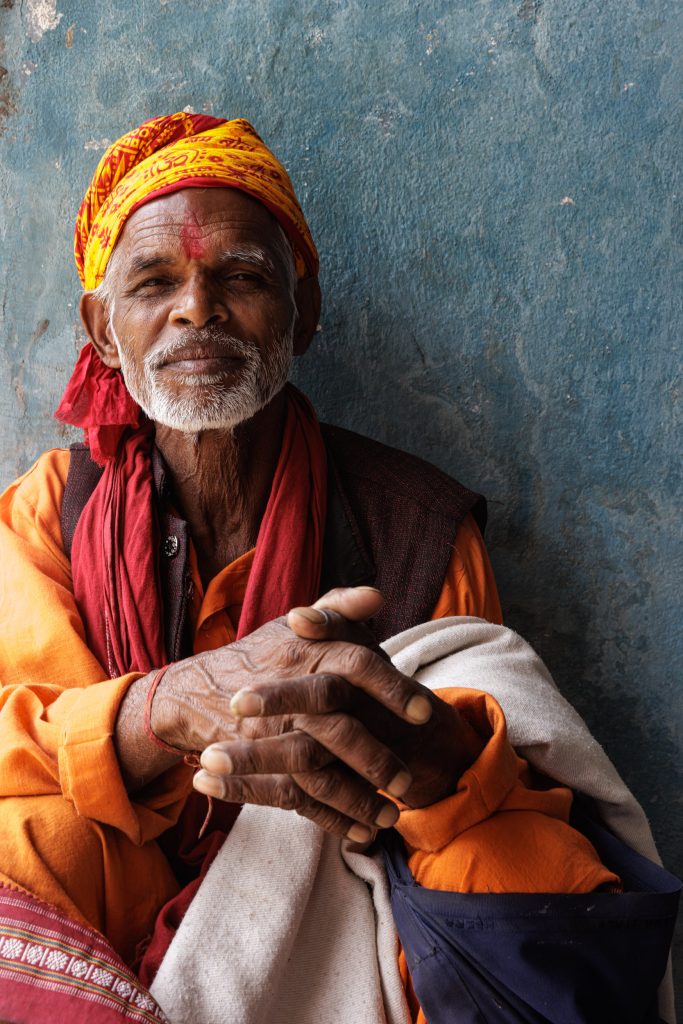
(208, 402)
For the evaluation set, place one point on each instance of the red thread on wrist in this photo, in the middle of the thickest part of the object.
(191, 758)
(147, 723)
(193, 761)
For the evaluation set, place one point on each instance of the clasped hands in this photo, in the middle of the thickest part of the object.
(308, 714)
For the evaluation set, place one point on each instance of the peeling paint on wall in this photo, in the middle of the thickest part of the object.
(40, 16)
(8, 105)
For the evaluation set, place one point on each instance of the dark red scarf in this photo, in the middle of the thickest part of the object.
(115, 549)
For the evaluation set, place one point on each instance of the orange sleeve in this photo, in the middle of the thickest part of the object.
(497, 833)
(469, 587)
(57, 707)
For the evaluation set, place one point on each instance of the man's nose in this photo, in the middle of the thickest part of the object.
(199, 305)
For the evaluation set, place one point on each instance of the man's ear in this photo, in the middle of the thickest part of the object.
(95, 318)
(307, 298)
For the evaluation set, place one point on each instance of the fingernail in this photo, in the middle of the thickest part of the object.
(419, 709)
(310, 614)
(208, 784)
(364, 586)
(246, 703)
(216, 761)
(359, 834)
(388, 816)
(400, 784)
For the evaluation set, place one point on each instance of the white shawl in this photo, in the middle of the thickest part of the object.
(292, 927)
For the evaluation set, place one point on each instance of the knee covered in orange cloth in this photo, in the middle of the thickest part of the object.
(91, 872)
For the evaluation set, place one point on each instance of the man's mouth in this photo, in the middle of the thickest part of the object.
(201, 359)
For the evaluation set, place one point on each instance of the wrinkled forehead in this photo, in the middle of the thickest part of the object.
(195, 221)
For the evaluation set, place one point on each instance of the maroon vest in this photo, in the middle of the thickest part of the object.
(391, 522)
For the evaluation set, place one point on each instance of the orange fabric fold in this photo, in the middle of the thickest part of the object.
(498, 806)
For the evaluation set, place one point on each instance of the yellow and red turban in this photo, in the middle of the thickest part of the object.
(183, 151)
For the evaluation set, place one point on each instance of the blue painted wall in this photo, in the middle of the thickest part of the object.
(493, 188)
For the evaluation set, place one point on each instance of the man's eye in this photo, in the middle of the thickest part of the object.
(154, 282)
(244, 277)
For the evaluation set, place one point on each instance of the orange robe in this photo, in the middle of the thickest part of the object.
(73, 836)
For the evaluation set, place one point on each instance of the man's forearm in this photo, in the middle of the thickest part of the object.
(140, 759)
(187, 713)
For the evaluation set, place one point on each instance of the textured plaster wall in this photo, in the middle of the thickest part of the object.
(493, 187)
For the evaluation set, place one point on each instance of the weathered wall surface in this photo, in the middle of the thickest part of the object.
(492, 185)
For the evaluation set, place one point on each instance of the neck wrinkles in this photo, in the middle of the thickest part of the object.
(221, 481)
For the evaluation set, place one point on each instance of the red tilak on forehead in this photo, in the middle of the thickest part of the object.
(191, 237)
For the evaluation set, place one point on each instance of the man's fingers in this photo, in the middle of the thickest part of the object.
(272, 755)
(354, 603)
(310, 695)
(345, 792)
(316, 740)
(327, 690)
(379, 679)
(331, 626)
(281, 791)
(352, 744)
(338, 615)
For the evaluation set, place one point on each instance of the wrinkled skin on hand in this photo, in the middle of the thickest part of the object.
(311, 716)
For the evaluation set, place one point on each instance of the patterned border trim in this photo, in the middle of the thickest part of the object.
(61, 963)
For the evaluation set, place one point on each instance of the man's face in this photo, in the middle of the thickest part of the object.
(202, 312)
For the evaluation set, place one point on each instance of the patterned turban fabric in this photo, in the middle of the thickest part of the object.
(183, 151)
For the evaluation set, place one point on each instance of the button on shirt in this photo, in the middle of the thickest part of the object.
(171, 546)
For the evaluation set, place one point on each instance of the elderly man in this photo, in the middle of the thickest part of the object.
(154, 566)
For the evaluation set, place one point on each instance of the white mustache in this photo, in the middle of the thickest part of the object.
(228, 343)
